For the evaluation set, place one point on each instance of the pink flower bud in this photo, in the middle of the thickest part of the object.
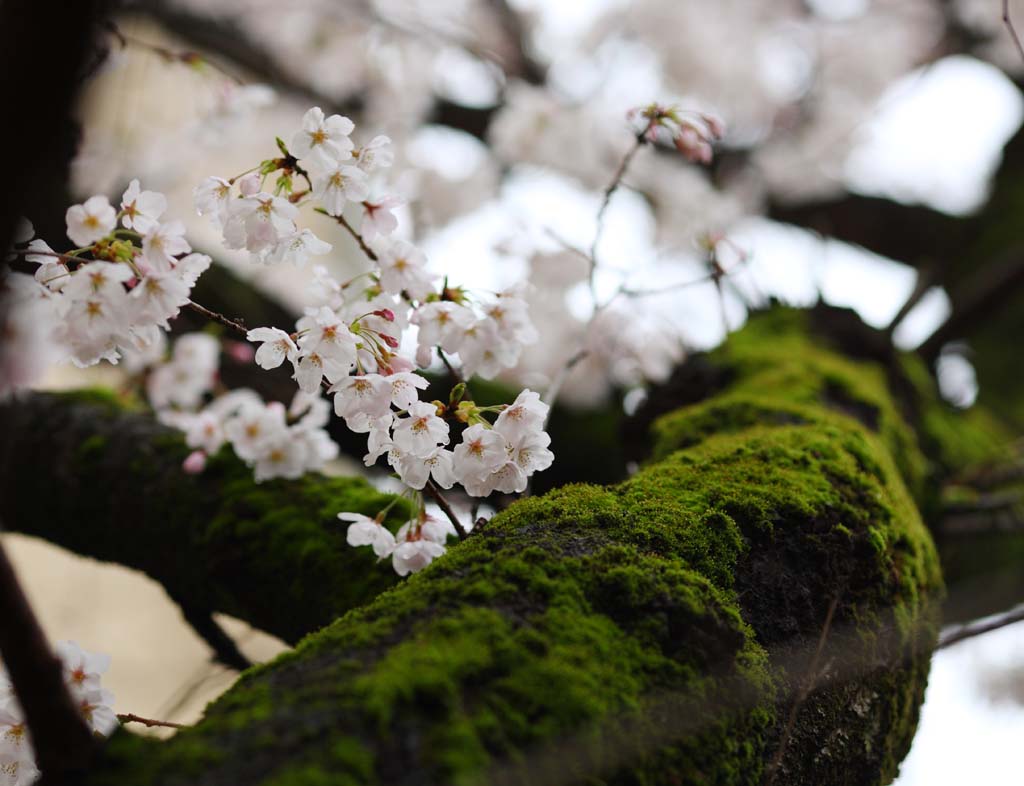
(391, 341)
(250, 184)
(692, 145)
(385, 313)
(715, 126)
(398, 364)
(195, 462)
(240, 352)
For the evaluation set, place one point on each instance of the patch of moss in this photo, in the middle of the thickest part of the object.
(273, 554)
(634, 634)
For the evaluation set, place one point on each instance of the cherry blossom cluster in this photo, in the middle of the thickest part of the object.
(128, 275)
(692, 133)
(276, 442)
(82, 675)
(418, 542)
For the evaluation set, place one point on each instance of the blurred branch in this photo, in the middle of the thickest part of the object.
(227, 41)
(62, 741)
(951, 636)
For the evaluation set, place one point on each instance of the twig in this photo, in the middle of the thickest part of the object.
(370, 253)
(807, 685)
(62, 741)
(608, 193)
(128, 717)
(955, 635)
(455, 373)
(225, 650)
(235, 325)
(1009, 26)
(442, 503)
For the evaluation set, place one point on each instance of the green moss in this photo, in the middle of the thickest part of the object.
(633, 634)
(273, 554)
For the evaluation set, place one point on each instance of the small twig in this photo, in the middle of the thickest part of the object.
(951, 636)
(442, 503)
(1009, 26)
(608, 193)
(370, 253)
(455, 373)
(810, 678)
(236, 325)
(128, 717)
(188, 58)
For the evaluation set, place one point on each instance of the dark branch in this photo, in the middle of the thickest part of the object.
(62, 742)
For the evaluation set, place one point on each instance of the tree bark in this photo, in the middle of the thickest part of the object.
(757, 603)
(82, 472)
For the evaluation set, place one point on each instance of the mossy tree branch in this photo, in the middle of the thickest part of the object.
(82, 472)
(629, 634)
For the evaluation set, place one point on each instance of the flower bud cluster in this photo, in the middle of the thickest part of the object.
(691, 133)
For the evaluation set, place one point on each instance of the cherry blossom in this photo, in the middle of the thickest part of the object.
(91, 221)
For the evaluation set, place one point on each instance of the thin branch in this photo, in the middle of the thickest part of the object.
(62, 741)
(225, 650)
(955, 635)
(1009, 26)
(149, 723)
(807, 685)
(609, 192)
(236, 325)
(442, 503)
(370, 253)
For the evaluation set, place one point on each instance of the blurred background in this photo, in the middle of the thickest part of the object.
(871, 160)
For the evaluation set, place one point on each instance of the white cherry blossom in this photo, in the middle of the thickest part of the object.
(91, 221)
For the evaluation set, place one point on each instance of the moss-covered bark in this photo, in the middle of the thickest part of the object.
(81, 471)
(657, 631)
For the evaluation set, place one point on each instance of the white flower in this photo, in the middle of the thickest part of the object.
(420, 432)
(415, 470)
(484, 351)
(189, 268)
(412, 556)
(141, 209)
(403, 269)
(523, 416)
(510, 315)
(374, 154)
(338, 183)
(404, 387)
(157, 298)
(258, 222)
(441, 323)
(23, 231)
(530, 452)
(52, 272)
(211, 199)
(481, 452)
(83, 670)
(324, 140)
(253, 430)
(329, 336)
(378, 220)
(509, 478)
(162, 243)
(99, 280)
(95, 706)
(297, 247)
(90, 221)
(281, 457)
(368, 395)
(364, 531)
(206, 431)
(277, 346)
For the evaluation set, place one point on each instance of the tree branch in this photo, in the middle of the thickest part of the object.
(62, 742)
